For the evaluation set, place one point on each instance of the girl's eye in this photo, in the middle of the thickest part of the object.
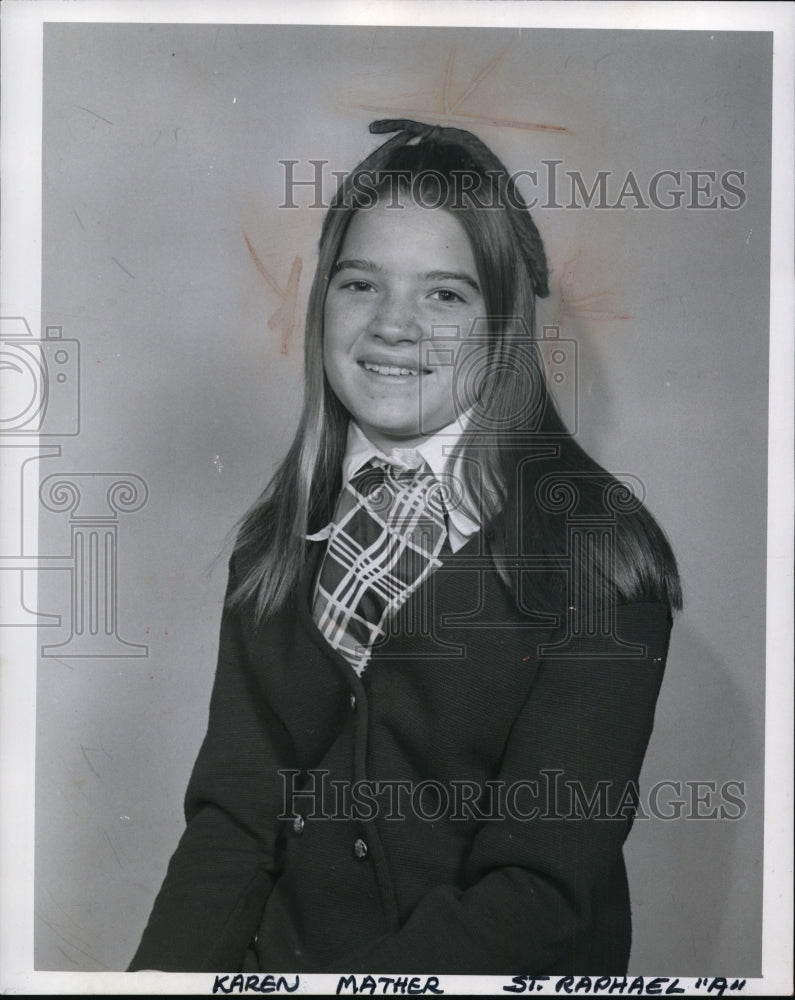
(357, 285)
(446, 295)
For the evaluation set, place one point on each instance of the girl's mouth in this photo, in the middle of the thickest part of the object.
(391, 370)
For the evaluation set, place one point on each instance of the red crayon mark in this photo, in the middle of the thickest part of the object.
(448, 113)
(284, 317)
(595, 306)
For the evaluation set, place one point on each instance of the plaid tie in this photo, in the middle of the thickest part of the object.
(388, 530)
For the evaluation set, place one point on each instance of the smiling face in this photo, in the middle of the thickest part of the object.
(400, 273)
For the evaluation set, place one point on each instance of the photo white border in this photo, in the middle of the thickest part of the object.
(20, 295)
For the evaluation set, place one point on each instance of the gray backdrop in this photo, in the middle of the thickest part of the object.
(161, 160)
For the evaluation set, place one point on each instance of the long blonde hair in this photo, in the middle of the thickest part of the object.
(271, 547)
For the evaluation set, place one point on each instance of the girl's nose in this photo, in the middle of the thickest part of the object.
(395, 319)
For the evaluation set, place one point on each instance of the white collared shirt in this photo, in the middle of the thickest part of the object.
(435, 450)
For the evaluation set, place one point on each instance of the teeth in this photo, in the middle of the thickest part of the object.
(388, 369)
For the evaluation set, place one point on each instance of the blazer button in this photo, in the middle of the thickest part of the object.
(353, 702)
(298, 824)
(359, 849)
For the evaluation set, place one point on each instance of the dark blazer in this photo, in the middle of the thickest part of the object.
(470, 690)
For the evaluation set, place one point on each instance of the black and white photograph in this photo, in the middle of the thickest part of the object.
(396, 430)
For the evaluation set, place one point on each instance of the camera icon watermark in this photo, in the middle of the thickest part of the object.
(39, 403)
(504, 386)
(41, 381)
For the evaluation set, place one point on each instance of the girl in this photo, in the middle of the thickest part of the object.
(445, 627)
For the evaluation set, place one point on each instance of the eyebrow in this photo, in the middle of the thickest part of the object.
(359, 264)
(355, 264)
(453, 276)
